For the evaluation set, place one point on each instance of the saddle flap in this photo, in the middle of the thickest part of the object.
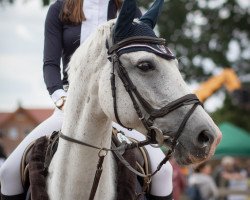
(25, 165)
(35, 162)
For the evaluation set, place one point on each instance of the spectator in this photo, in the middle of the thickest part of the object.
(226, 166)
(231, 176)
(2, 155)
(248, 167)
(201, 185)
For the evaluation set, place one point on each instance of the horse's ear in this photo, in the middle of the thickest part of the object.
(125, 19)
(151, 16)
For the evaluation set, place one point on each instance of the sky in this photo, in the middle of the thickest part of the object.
(21, 52)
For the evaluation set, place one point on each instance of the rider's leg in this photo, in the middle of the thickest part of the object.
(162, 184)
(10, 171)
(162, 181)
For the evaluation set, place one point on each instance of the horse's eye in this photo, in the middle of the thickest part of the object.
(145, 66)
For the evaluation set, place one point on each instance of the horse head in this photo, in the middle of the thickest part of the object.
(150, 94)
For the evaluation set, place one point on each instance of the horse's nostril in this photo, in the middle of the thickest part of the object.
(203, 138)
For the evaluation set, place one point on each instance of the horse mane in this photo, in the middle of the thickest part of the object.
(84, 71)
(90, 54)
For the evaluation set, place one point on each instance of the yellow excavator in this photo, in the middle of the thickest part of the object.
(227, 78)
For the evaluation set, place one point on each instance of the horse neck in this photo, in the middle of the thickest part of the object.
(85, 121)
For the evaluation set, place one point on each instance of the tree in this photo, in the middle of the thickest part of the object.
(232, 113)
(203, 33)
(45, 2)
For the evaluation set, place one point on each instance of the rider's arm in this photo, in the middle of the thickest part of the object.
(53, 52)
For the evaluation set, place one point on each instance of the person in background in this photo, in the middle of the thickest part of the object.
(202, 184)
(231, 176)
(226, 166)
(68, 24)
(2, 156)
(248, 169)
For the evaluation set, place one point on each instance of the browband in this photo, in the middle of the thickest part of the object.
(136, 39)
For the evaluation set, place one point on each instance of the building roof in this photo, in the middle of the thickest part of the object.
(38, 115)
(4, 116)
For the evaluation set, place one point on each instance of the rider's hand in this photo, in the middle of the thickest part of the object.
(60, 102)
(59, 98)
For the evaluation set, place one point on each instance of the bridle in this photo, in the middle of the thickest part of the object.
(154, 135)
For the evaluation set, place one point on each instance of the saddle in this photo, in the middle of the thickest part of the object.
(38, 155)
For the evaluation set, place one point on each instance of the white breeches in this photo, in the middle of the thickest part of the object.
(10, 171)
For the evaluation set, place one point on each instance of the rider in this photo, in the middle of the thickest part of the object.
(68, 24)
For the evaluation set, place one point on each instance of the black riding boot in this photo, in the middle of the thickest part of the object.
(14, 197)
(169, 197)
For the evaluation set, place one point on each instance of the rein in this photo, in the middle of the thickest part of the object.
(117, 151)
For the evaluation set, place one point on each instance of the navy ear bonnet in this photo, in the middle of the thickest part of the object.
(141, 29)
(126, 27)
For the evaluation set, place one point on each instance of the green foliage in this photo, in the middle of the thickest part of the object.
(232, 113)
(3, 2)
(46, 2)
(201, 31)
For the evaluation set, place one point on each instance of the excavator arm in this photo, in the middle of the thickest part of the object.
(227, 78)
